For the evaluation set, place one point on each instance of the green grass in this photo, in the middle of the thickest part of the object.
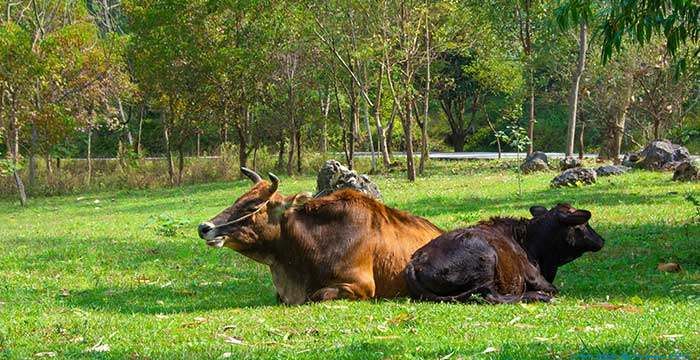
(76, 273)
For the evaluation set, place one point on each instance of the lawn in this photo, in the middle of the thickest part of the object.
(123, 275)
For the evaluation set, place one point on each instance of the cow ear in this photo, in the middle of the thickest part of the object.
(538, 210)
(299, 199)
(275, 209)
(578, 217)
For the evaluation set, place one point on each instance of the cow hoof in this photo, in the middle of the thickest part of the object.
(325, 294)
(536, 297)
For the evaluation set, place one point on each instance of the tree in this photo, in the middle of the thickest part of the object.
(17, 64)
(576, 12)
(640, 20)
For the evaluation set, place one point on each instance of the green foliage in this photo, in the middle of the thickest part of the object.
(515, 136)
(8, 167)
(677, 20)
(166, 225)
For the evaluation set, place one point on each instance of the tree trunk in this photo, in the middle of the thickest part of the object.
(390, 133)
(125, 122)
(180, 164)
(32, 156)
(168, 153)
(408, 135)
(89, 155)
(280, 154)
(138, 139)
(573, 96)
(49, 168)
(369, 137)
(424, 156)
(298, 143)
(498, 140)
(12, 142)
(657, 125)
(292, 148)
(581, 150)
(199, 148)
(531, 123)
(255, 157)
(325, 110)
(615, 129)
(354, 124)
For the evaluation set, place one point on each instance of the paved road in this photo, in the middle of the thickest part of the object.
(475, 155)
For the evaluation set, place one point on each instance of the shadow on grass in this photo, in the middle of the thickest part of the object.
(154, 299)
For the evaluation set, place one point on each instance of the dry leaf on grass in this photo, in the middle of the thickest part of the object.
(489, 349)
(669, 267)
(387, 337)
(671, 336)
(99, 347)
(401, 318)
(514, 320)
(197, 321)
(447, 356)
(45, 354)
(65, 292)
(231, 339)
(544, 339)
(613, 307)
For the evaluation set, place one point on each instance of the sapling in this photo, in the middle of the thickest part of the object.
(517, 138)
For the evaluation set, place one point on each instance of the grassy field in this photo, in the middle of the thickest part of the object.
(123, 275)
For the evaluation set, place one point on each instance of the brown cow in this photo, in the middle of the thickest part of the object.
(343, 245)
(504, 259)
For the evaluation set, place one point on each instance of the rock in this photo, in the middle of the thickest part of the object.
(537, 161)
(569, 162)
(609, 170)
(630, 159)
(574, 177)
(661, 155)
(333, 176)
(687, 171)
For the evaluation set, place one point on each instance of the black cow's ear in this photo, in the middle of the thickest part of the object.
(578, 217)
(538, 210)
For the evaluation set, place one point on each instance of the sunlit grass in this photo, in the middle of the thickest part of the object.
(80, 271)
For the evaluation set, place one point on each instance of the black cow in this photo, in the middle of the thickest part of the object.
(504, 260)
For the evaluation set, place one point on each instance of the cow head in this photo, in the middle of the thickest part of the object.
(251, 224)
(561, 234)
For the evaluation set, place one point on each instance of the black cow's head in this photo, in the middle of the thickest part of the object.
(561, 234)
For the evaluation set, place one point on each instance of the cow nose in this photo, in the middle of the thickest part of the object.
(203, 229)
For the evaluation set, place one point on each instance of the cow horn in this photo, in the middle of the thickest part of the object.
(275, 182)
(252, 175)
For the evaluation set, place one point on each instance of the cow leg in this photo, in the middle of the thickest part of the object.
(537, 283)
(355, 291)
(535, 296)
(493, 297)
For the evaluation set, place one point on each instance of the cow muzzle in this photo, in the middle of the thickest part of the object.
(209, 233)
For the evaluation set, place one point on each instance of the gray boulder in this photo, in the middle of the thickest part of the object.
(610, 170)
(687, 171)
(569, 162)
(537, 161)
(574, 177)
(333, 176)
(662, 155)
(630, 159)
